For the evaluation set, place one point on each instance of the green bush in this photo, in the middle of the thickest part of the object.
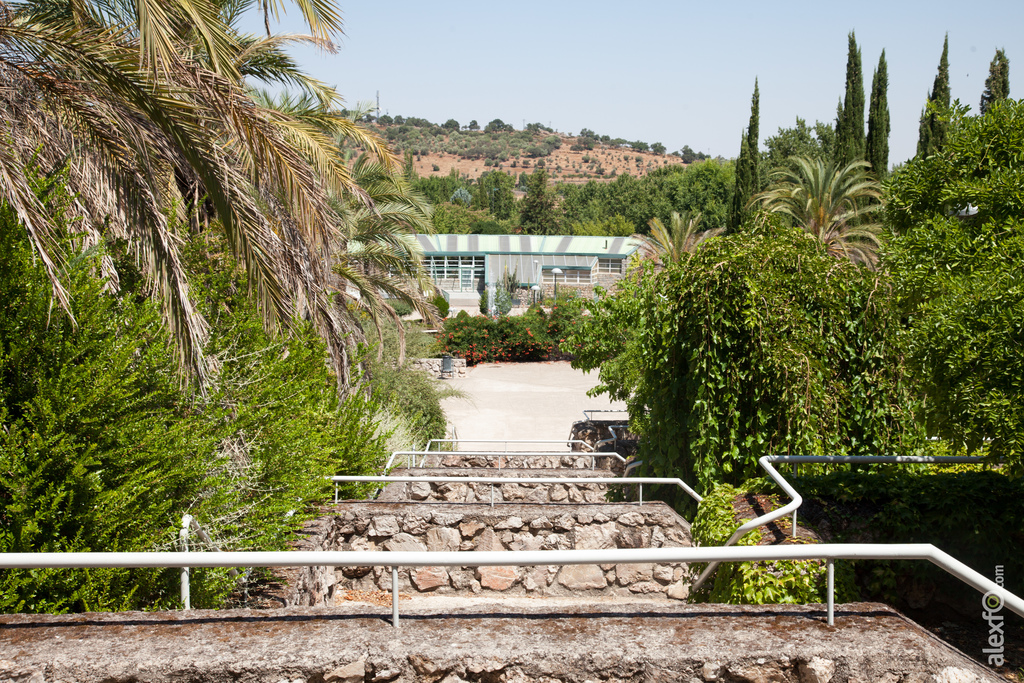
(442, 306)
(402, 308)
(532, 336)
(975, 516)
(758, 583)
(103, 450)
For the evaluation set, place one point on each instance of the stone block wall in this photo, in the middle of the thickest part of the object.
(479, 492)
(395, 527)
(433, 366)
(578, 460)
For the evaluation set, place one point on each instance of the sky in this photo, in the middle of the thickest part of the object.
(679, 73)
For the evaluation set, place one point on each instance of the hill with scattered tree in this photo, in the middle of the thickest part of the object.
(472, 150)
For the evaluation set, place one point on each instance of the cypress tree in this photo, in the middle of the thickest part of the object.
(748, 166)
(932, 135)
(850, 124)
(997, 85)
(878, 120)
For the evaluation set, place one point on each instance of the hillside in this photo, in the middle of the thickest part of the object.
(438, 149)
(563, 164)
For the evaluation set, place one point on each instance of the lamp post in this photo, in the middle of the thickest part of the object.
(536, 292)
(556, 272)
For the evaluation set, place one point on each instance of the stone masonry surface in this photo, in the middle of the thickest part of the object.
(434, 365)
(356, 525)
(478, 492)
(671, 642)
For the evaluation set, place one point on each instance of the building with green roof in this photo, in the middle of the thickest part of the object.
(464, 266)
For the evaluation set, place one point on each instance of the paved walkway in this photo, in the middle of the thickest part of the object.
(522, 401)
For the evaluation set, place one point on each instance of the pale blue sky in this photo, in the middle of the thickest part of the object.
(671, 72)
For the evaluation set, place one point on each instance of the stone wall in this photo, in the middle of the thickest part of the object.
(577, 460)
(395, 527)
(479, 492)
(433, 366)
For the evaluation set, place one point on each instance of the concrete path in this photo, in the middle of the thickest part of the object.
(523, 401)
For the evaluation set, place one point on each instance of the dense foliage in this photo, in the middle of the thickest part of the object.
(957, 267)
(975, 516)
(533, 336)
(758, 583)
(757, 343)
(102, 449)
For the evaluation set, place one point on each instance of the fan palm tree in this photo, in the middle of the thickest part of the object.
(832, 204)
(124, 100)
(668, 244)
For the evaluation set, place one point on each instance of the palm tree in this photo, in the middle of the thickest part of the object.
(831, 204)
(667, 245)
(378, 260)
(126, 100)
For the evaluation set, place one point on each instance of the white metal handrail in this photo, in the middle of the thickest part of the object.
(499, 454)
(639, 481)
(567, 442)
(350, 558)
(615, 437)
(796, 500)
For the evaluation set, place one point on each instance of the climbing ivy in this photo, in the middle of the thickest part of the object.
(758, 343)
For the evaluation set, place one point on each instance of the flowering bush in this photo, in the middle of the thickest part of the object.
(533, 336)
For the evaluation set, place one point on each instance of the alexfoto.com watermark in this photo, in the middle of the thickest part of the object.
(992, 605)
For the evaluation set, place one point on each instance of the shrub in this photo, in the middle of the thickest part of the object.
(103, 450)
(441, 304)
(758, 583)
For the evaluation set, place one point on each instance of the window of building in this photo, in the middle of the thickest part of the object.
(612, 266)
(568, 277)
(449, 267)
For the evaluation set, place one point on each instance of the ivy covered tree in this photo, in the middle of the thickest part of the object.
(932, 132)
(748, 165)
(877, 152)
(997, 85)
(751, 337)
(850, 122)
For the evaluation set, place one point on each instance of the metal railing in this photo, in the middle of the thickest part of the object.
(615, 437)
(394, 560)
(567, 442)
(422, 455)
(639, 481)
(796, 500)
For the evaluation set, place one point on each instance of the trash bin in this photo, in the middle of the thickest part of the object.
(447, 367)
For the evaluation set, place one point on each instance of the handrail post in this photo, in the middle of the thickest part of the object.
(394, 597)
(641, 496)
(186, 597)
(794, 523)
(335, 493)
(830, 571)
(492, 495)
